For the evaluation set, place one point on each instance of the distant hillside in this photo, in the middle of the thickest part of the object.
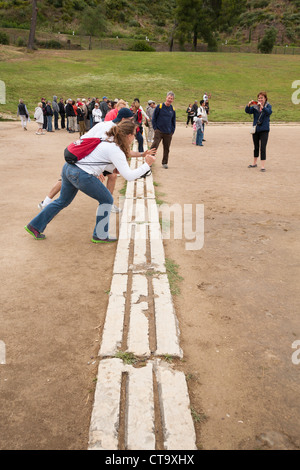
(155, 20)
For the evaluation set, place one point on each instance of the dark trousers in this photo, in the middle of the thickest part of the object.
(140, 140)
(55, 120)
(262, 138)
(45, 122)
(189, 118)
(62, 121)
(166, 138)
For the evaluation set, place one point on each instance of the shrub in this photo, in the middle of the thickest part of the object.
(51, 44)
(265, 46)
(20, 42)
(141, 46)
(4, 38)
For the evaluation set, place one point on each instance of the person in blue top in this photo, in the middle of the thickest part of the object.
(261, 111)
(164, 123)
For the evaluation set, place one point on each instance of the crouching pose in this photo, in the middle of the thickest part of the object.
(84, 175)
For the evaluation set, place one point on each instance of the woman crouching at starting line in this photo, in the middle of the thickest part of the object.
(84, 176)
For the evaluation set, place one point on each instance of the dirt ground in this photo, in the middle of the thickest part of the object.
(238, 309)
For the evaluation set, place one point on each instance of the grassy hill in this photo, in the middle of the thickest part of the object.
(137, 19)
(232, 79)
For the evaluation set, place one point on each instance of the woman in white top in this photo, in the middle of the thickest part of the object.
(39, 118)
(97, 114)
(84, 176)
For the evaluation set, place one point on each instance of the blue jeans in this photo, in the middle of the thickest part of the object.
(73, 179)
(49, 123)
(199, 137)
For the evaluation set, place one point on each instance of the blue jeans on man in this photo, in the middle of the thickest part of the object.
(199, 137)
(49, 123)
(74, 179)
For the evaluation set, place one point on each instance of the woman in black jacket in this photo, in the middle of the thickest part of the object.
(71, 116)
(49, 114)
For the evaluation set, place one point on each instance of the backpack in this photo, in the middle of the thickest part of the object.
(80, 149)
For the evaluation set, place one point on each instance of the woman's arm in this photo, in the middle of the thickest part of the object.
(118, 159)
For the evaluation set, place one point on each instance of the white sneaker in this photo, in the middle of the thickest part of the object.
(40, 206)
(116, 209)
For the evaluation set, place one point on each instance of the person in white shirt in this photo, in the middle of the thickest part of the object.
(97, 114)
(201, 112)
(84, 176)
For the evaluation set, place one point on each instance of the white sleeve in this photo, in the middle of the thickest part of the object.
(118, 159)
(143, 113)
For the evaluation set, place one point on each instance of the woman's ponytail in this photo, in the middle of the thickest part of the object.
(119, 135)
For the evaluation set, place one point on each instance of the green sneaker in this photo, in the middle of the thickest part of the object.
(104, 240)
(35, 233)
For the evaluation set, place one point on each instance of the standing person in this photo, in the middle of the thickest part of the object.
(199, 129)
(97, 114)
(195, 107)
(112, 114)
(84, 176)
(43, 100)
(75, 111)
(85, 112)
(138, 119)
(23, 113)
(164, 124)
(71, 117)
(261, 111)
(203, 114)
(49, 114)
(80, 119)
(149, 111)
(39, 118)
(104, 108)
(90, 108)
(55, 112)
(190, 115)
(62, 112)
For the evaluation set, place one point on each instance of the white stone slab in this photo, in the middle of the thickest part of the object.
(140, 247)
(140, 431)
(105, 415)
(167, 330)
(122, 253)
(178, 426)
(138, 332)
(140, 188)
(156, 248)
(113, 327)
(130, 189)
(152, 212)
(150, 191)
(127, 212)
(140, 210)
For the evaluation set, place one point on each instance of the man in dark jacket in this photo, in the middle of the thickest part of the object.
(62, 113)
(104, 107)
(49, 114)
(44, 104)
(164, 123)
(55, 112)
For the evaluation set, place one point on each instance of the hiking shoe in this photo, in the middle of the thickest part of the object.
(115, 209)
(40, 206)
(104, 240)
(35, 233)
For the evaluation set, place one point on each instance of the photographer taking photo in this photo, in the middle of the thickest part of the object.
(261, 111)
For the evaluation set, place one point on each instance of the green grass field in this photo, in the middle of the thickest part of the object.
(232, 79)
